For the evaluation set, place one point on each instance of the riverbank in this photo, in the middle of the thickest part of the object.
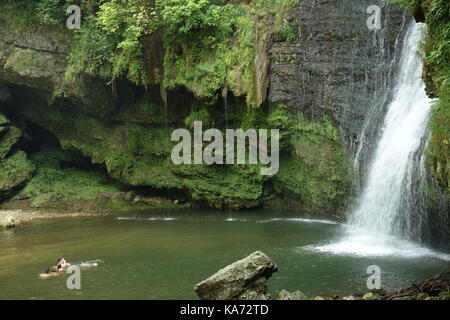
(13, 218)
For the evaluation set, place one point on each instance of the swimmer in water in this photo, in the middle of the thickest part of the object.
(62, 263)
(47, 274)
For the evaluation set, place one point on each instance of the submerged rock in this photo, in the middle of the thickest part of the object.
(243, 280)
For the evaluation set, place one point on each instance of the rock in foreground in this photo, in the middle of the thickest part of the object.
(286, 295)
(243, 280)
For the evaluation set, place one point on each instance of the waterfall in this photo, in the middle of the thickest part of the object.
(386, 214)
(381, 209)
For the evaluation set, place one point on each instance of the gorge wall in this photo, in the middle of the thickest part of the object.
(316, 72)
(340, 67)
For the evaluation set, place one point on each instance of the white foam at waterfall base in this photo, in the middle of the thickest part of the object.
(303, 220)
(380, 219)
(360, 243)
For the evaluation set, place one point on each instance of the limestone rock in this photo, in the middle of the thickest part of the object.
(243, 280)
(286, 295)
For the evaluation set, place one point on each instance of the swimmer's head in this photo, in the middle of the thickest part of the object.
(59, 259)
(46, 271)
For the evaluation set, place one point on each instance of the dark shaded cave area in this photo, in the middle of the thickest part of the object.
(44, 150)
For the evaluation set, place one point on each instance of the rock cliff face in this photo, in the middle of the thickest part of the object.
(339, 67)
(324, 84)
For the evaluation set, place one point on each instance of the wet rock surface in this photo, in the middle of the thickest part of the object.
(338, 66)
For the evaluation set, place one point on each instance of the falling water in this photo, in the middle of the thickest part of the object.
(405, 124)
(383, 218)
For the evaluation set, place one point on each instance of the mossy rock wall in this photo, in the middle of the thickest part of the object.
(436, 74)
(133, 143)
(123, 125)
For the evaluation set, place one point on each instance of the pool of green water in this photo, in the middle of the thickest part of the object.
(163, 254)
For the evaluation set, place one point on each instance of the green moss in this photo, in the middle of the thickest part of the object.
(436, 49)
(314, 166)
(3, 120)
(53, 185)
(444, 295)
(294, 126)
(288, 33)
(15, 172)
(199, 114)
(438, 153)
(209, 50)
(23, 60)
(9, 137)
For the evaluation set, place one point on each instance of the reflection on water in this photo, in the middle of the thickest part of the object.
(163, 254)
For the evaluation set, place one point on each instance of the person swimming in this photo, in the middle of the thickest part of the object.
(47, 273)
(61, 260)
(62, 263)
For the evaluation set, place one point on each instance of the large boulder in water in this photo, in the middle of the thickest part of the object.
(243, 280)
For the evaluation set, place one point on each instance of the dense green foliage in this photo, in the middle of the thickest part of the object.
(437, 62)
(208, 45)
